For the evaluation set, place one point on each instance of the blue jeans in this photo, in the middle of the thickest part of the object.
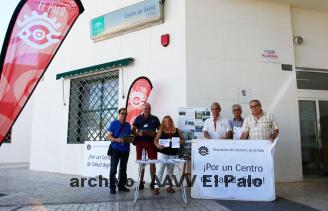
(117, 156)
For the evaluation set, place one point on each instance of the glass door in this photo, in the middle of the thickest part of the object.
(323, 110)
(313, 111)
(309, 137)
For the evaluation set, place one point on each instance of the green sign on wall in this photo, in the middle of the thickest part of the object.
(97, 26)
(137, 16)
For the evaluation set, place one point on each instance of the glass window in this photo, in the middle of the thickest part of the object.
(312, 80)
(93, 104)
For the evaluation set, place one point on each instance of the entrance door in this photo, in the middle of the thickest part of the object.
(313, 111)
(314, 135)
(309, 137)
(323, 110)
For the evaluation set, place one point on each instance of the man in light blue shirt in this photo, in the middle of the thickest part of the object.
(237, 122)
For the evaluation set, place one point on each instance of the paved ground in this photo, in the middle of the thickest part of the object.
(23, 189)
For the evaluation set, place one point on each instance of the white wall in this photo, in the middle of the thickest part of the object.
(313, 27)
(225, 40)
(165, 67)
(18, 151)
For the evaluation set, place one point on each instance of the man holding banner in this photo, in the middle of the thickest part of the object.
(237, 122)
(259, 125)
(217, 127)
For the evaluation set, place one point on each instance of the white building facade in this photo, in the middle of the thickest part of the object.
(217, 49)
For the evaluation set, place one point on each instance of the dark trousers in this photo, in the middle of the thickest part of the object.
(122, 157)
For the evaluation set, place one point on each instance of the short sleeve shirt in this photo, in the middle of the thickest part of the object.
(115, 128)
(218, 132)
(148, 124)
(262, 128)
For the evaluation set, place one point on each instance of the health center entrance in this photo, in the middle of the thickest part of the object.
(313, 112)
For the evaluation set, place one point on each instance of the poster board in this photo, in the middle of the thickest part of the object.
(191, 122)
(233, 170)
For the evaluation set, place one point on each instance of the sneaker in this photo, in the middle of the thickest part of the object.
(123, 188)
(113, 191)
(156, 191)
(142, 185)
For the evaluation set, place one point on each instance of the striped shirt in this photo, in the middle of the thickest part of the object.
(262, 128)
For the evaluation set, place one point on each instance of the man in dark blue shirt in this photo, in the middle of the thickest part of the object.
(144, 129)
(116, 131)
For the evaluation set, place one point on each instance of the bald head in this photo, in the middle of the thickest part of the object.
(146, 109)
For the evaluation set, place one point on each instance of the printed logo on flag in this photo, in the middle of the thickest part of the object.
(38, 31)
(137, 98)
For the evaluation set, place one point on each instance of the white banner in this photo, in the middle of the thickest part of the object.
(96, 161)
(233, 170)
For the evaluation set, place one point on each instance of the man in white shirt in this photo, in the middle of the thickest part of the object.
(217, 127)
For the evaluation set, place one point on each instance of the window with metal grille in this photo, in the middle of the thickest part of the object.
(93, 104)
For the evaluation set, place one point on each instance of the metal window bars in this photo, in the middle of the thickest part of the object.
(93, 103)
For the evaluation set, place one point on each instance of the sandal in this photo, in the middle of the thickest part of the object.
(156, 191)
(170, 190)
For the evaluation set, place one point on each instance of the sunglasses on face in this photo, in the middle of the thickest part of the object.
(124, 113)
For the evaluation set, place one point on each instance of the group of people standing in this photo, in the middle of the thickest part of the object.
(259, 125)
(147, 129)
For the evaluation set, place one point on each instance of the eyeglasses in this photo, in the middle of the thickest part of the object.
(237, 109)
(253, 106)
(124, 113)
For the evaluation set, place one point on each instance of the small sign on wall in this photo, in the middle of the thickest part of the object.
(287, 67)
(244, 95)
(270, 55)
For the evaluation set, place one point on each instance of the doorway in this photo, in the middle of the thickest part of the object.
(313, 113)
